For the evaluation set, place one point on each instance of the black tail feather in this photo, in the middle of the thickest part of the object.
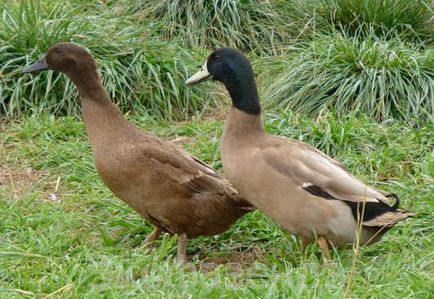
(368, 210)
(360, 210)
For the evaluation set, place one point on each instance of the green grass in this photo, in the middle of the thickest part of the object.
(380, 78)
(249, 25)
(370, 56)
(139, 72)
(88, 244)
(411, 19)
(364, 71)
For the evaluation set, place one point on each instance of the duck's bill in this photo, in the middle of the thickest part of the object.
(39, 65)
(200, 76)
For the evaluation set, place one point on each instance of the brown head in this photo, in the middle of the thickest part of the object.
(69, 58)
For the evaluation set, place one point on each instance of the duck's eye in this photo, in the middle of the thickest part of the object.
(214, 56)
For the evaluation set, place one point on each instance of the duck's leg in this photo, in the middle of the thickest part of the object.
(181, 254)
(154, 235)
(304, 243)
(323, 244)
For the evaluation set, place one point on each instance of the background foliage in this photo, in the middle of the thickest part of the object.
(372, 56)
(353, 78)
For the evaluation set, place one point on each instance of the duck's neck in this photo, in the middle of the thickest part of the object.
(244, 93)
(240, 125)
(102, 118)
(244, 119)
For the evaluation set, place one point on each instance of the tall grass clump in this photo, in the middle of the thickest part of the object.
(250, 25)
(412, 19)
(383, 79)
(139, 73)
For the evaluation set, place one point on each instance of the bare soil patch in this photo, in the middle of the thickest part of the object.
(17, 181)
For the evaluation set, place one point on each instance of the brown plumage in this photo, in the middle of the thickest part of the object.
(176, 192)
(302, 189)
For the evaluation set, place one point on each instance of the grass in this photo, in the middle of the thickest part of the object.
(353, 78)
(140, 73)
(370, 56)
(380, 78)
(84, 243)
(411, 19)
(249, 25)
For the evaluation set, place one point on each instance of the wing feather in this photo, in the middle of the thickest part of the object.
(324, 177)
(304, 164)
(187, 170)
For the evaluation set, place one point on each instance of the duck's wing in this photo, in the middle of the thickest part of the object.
(201, 177)
(188, 171)
(324, 177)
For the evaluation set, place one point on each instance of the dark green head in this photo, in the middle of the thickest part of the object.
(233, 69)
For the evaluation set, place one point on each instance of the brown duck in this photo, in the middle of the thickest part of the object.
(173, 190)
(302, 189)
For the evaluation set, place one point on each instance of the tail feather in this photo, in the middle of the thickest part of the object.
(389, 219)
(391, 214)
